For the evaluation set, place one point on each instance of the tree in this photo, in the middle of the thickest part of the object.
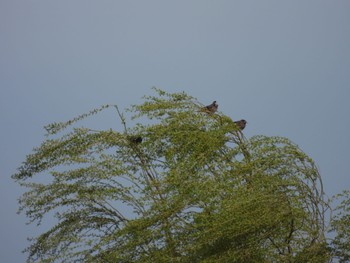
(341, 228)
(186, 186)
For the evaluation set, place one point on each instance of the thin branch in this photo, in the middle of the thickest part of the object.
(122, 118)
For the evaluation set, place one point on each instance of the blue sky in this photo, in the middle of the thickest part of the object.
(281, 65)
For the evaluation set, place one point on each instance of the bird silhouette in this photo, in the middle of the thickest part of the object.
(135, 139)
(241, 124)
(212, 108)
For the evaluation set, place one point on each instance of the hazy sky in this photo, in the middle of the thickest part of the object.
(284, 66)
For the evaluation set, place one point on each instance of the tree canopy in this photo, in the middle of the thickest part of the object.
(180, 185)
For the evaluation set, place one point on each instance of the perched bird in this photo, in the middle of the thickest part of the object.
(135, 139)
(211, 108)
(241, 124)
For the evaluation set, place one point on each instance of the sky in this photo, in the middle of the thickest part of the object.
(281, 65)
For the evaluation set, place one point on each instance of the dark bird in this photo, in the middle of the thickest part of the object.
(241, 124)
(211, 108)
(135, 139)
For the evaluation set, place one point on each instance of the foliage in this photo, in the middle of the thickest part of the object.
(341, 228)
(194, 190)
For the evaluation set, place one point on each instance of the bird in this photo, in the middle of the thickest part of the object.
(241, 124)
(135, 139)
(212, 108)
